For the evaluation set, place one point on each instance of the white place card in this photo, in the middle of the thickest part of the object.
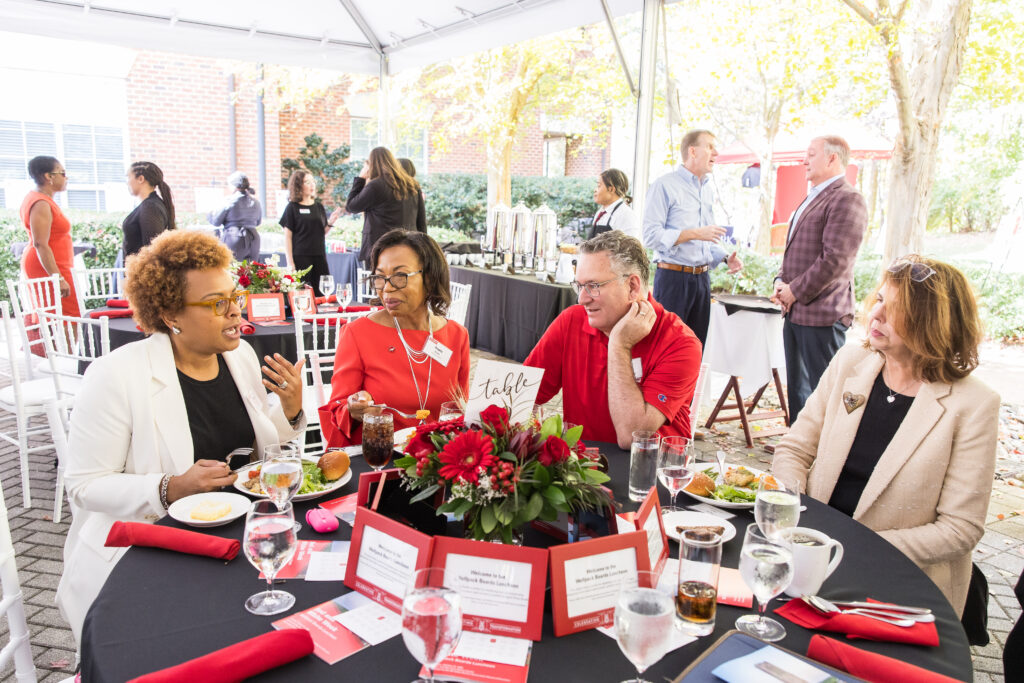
(491, 648)
(372, 622)
(508, 385)
(328, 566)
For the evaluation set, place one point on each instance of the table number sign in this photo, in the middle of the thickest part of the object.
(502, 587)
(507, 385)
(586, 578)
(648, 519)
(265, 308)
(383, 556)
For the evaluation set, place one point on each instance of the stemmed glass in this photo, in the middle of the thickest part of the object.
(431, 619)
(269, 543)
(281, 474)
(327, 285)
(767, 567)
(644, 622)
(346, 296)
(776, 506)
(674, 459)
(450, 410)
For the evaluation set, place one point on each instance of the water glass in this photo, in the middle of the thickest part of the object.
(431, 619)
(327, 285)
(346, 295)
(700, 560)
(675, 455)
(643, 625)
(378, 439)
(450, 410)
(269, 543)
(643, 459)
(281, 472)
(767, 568)
(777, 505)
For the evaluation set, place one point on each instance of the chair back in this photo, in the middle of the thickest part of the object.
(29, 296)
(10, 369)
(460, 302)
(71, 344)
(318, 348)
(18, 647)
(364, 290)
(97, 285)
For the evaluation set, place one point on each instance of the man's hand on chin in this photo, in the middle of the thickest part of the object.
(636, 324)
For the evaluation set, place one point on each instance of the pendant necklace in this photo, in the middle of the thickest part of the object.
(419, 357)
(891, 398)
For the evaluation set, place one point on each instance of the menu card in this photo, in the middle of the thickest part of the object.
(509, 385)
(383, 556)
(586, 578)
(332, 642)
(482, 658)
(648, 519)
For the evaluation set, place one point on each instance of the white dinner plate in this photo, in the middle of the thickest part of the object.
(402, 437)
(181, 509)
(694, 518)
(243, 475)
(724, 504)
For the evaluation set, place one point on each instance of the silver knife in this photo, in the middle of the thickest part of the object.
(884, 607)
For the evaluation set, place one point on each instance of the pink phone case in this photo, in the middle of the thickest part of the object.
(321, 520)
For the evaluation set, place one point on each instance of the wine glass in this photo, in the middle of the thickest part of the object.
(327, 285)
(431, 619)
(767, 567)
(281, 474)
(776, 506)
(644, 621)
(346, 295)
(450, 410)
(269, 543)
(674, 459)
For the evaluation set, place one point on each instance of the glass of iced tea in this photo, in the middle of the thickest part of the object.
(700, 558)
(378, 439)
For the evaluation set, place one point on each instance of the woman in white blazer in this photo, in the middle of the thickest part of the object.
(897, 434)
(154, 420)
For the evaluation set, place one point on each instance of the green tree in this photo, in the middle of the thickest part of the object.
(328, 166)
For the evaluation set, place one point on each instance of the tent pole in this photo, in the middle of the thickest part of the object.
(645, 103)
(618, 47)
(261, 145)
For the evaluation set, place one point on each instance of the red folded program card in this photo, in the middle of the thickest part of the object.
(648, 520)
(586, 577)
(502, 586)
(383, 556)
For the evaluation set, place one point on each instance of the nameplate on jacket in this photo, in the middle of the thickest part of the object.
(303, 210)
(438, 351)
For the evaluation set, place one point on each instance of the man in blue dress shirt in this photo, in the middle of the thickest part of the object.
(679, 225)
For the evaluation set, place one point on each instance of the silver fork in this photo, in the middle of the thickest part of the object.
(237, 451)
(396, 411)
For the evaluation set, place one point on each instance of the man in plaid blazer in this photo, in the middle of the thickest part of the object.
(815, 285)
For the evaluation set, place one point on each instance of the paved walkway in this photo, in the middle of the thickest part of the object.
(39, 542)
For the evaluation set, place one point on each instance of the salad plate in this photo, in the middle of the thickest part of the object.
(678, 518)
(232, 505)
(727, 496)
(312, 483)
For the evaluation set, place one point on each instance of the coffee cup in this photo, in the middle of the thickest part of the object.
(813, 561)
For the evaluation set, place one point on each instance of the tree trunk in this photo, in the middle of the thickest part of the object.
(499, 173)
(870, 184)
(766, 201)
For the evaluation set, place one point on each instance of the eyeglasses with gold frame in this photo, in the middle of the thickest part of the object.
(222, 306)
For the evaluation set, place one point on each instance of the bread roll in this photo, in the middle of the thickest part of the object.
(701, 485)
(334, 464)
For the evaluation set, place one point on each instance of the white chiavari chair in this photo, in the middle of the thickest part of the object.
(459, 307)
(18, 648)
(318, 347)
(97, 285)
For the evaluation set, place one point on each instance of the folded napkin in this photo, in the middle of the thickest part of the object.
(124, 534)
(857, 626)
(107, 313)
(355, 308)
(247, 328)
(239, 661)
(870, 666)
(117, 303)
(332, 299)
(323, 320)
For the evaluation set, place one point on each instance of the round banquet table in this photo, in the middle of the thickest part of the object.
(160, 608)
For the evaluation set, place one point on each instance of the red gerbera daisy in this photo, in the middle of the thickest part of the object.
(465, 454)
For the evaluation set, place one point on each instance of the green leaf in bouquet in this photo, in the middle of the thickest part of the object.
(488, 520)
(554, 494)
(548, 513)
(405, 461)
(595, 476)
(508, 455)
(552, 426)
(541, 475)
(572, 437)
(425, 493)
(534, 506)
(505, 512)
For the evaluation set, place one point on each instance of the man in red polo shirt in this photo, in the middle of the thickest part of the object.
(618, 347)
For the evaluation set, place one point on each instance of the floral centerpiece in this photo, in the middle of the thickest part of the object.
(501, 476)
(266, 278)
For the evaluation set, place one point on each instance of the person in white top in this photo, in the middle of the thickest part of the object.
(615, 212)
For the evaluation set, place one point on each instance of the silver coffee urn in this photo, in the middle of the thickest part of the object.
(522, 236)
(545, 239)
(499, 220)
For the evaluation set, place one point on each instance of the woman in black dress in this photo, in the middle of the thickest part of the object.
(306, 226)
(387, 197)
(156, 211)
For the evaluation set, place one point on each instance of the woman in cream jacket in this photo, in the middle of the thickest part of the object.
(154, 420)
(897, 434)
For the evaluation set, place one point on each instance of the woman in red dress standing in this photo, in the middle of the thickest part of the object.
(49, 251)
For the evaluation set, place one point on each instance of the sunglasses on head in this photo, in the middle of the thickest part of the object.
(919, 272)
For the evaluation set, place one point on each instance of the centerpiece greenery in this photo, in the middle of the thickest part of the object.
(501, 476)
(266, 278)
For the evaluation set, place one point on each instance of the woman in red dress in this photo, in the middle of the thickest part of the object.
(49, 251)
(407, 355)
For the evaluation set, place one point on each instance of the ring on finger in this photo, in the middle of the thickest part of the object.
(283, 385)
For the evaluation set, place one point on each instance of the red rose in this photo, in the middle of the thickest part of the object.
(289, 278)
(464, 455)
(419, 446)
(496, 418)
(553, 451)
(244, 280)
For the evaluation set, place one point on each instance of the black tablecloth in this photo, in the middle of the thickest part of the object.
(265, 341)
(343, 266)
(160, 608)
(509, 313)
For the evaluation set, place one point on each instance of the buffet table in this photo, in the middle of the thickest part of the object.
(509, 313)
(161, 608)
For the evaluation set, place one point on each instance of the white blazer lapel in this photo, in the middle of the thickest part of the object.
(924, 414)
(169, 407)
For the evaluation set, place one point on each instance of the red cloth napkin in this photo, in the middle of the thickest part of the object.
(332, 299)
(870, 666)
(123, 534)
(247, 327)
(107, 313)
(857, 626)
(239, 661)
(322, 320)
(117, 303)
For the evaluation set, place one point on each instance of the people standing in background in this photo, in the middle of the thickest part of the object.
(679, 225)
(615, 210)
(387, 197)
(50, 250)
(240, 216)
(154, 214)
(306, 226)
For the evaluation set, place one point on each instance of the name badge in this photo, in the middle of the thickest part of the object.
(438, 351)
(638, 371)
(303, 210)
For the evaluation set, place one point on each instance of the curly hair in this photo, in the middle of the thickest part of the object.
(295, 185)
(156, 277)
(435, 267)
